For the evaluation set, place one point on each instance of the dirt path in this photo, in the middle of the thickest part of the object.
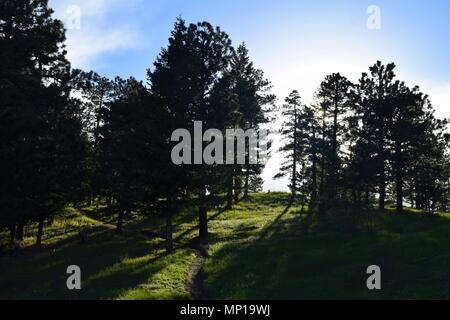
(92, 216)
(197, 277)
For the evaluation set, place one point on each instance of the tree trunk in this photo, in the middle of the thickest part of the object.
(230, 192)
(417, 196)
(399, 177)
(120, 221)
(19, 231)
(203, 222)
(230, 198)
(12, 235)
(237, 190)
(382, 177)
(98, 119)
(109, 200)
(314, 170)
(382, 191)
(314, 184)
(247, 180)
(333, 178)
(294, 158)
(367, 196)
(322, 162)
(40, 231)
(169, 227)
(353, 195)
(322, 179)
(411, 195)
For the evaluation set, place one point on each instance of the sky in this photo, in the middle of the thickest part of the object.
(295, 42)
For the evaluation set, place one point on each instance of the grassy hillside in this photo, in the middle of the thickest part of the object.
(284, 255)
(260, 249)
(132, 266)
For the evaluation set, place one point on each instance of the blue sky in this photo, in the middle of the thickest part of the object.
(297, 43)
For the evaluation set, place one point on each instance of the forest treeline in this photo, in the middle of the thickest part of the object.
(376, 140)
(73, 137)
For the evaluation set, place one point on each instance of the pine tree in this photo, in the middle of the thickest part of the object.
(376, 89)
(42, 144)
(334, 97)
(183, 80)
(126, 147)
(96, 93)
(255, 103)
(291, 133)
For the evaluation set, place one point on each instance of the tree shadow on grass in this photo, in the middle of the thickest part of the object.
(110, 266)
(326, 262)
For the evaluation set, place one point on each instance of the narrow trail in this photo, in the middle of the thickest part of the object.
(112, 227)
(94, 217)
(197, 277)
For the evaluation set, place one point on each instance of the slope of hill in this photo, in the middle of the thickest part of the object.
(262, 249)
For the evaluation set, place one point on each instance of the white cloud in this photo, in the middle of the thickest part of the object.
(89, 8)
(84, 48)
(99, 33)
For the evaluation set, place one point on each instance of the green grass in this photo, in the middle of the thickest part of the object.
(64, 226)
(259, 250)
(132, 266)
(273, 254)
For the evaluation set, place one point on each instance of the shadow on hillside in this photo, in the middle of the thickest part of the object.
(105, 274)
(111, 265)
(326, 259)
